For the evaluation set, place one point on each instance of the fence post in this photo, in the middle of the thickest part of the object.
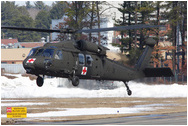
(182, 78)
(176, 79)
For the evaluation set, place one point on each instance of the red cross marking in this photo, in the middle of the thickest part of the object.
(30, 60)
(84, 71)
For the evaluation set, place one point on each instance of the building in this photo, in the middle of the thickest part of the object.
(14, 52)
(14, 55)
(8, 43)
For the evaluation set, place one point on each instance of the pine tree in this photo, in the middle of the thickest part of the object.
(145, 9)
(174, 18)
(12, 15)
(127, 9)
(43, 21)
(58, 10)
(28, 5)
(39, 5)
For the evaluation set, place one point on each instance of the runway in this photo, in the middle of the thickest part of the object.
(162, 119)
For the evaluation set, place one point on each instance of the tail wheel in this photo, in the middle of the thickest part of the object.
(40, 81)
(129, 92)
(75, 81)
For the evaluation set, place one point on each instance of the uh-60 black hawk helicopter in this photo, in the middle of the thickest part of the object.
(79, 59)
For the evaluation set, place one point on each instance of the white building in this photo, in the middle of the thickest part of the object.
(107, 21)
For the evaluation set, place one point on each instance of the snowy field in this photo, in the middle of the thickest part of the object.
(23, 87)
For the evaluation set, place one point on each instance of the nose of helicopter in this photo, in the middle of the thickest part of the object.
(33, 64)
(28, 64)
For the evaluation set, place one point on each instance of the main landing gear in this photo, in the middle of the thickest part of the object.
(129, 92)
(40, 81)
(75, 81)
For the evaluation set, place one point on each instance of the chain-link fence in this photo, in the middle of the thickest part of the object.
(178, 79)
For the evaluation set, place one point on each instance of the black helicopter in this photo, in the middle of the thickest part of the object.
(79, 59)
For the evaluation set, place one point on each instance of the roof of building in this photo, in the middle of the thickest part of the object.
(31, 44)
(7, 41)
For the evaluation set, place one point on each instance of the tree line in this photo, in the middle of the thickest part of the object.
(172, 14)
(14, 15)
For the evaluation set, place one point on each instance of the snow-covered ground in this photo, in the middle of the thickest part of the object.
(23, 87)
(88, 111)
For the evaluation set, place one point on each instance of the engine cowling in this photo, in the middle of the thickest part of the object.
(91, 47)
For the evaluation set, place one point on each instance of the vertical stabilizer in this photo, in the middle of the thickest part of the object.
(145, 57)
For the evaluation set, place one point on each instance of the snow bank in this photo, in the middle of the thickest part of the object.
(23, 87)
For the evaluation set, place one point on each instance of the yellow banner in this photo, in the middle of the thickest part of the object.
(16, 112)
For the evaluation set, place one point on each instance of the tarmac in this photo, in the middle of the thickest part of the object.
(166, 111)
(162, 119)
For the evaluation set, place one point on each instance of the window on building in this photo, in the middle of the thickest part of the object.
(162, 28)
(81, 59)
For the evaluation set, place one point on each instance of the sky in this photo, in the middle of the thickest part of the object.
(21, 3)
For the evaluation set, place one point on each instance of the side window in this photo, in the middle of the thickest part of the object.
(81, 59)
(58, 55)
(89, 60)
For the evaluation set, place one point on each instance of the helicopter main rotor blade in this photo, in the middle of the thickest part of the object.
(71, 31)
(39, 30)
(119, 28)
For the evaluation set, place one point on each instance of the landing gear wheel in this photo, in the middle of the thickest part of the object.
(129, 92)
(40, 81)
(75, 81)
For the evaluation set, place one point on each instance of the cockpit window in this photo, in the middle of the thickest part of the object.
(48, 53)
(59, 55)
(39, 52)
(32, 52)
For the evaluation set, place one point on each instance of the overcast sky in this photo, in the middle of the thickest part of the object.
(21, 3)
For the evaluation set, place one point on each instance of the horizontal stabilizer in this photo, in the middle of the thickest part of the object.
(158, 72)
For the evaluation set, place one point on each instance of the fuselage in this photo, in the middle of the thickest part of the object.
(64, 60)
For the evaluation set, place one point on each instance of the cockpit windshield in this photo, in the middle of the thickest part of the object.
(32, 52)
(48, 53)
(41, 52)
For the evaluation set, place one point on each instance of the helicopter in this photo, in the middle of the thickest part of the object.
(80, 59)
